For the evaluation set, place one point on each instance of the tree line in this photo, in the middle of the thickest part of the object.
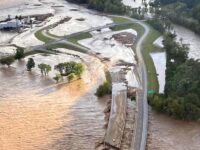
(108, 6)
(70, 69)
(183, 12)
(182, 88)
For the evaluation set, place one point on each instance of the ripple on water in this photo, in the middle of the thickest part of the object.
(63, 117)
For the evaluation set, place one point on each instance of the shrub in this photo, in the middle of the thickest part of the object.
(104, 89)
(7, 60)
(19, 53)
(71, 77)
(57, 78)
(30, 64)
(44, 68)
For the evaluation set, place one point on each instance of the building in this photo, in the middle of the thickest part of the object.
(15, 23)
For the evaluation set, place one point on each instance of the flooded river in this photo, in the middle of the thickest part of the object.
(166, 133)
(189, 37)
(36, 114)
(10, 3)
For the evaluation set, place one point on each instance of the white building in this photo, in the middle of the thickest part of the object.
(15, 23)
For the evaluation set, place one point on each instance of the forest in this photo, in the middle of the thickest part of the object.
(183, 12)
(108, 6)
(182, 90)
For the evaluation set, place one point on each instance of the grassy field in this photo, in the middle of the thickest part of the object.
(52, 35)
(120, 19)
(148, 48)
(66, 46)
(81, 36)
(42, 38)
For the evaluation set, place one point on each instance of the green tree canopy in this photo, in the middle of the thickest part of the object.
(7, 60)
(30, 64)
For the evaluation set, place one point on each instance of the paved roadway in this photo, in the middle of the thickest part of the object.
(140, 136)
(139, 140)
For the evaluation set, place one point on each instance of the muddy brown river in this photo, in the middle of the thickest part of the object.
(166, 133)
(36, 114)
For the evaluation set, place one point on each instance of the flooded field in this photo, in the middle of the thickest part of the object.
(35, 113)
(166, 133)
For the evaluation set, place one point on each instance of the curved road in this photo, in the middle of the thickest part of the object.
(140, 137)
(142, 105)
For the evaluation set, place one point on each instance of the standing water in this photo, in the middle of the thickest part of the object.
(189, 37)
(166, 133)
(36, 114)
(10, 3)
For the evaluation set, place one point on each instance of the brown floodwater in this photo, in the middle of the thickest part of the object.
(189, 37)
(166, 133)
(37, 114)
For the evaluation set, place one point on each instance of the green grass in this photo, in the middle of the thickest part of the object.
(108, 76)
(120, 19)
(53, 35)
(66, 46)
(149, 47)
(81, 36)
(42, 38)
(35, 52)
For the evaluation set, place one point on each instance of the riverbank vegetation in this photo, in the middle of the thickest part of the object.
(106, 87)
(7, 60)
(183, 12)
(70, 69)
(44, 68)
(19, 53)
(30, 64)
(108, 6)
(182, 89)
